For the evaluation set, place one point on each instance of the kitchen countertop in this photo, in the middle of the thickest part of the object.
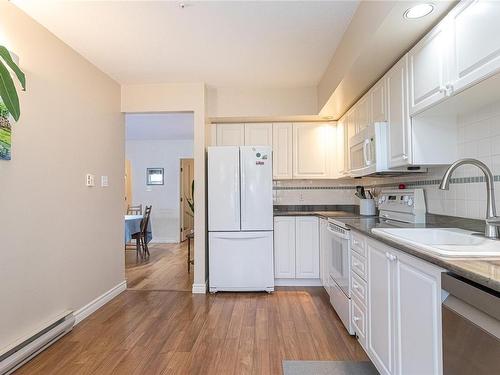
(483, 271)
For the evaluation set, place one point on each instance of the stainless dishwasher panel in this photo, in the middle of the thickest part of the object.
(471, 329)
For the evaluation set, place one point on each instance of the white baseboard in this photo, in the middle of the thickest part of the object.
(100, 301)
(297, 282)
(199, 288)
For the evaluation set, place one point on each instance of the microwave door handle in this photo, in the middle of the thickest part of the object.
(365, 151)
(369, 151)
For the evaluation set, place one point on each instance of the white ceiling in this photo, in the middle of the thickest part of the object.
(223, 43)
(159, 126)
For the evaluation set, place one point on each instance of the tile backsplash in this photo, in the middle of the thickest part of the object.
(479, 138)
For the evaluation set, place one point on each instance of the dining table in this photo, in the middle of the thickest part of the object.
(133, 225)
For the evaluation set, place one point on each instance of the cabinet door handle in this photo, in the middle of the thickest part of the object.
(355, 318)
(391, 257)
(355, 287)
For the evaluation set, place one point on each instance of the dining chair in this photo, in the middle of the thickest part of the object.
(141, 237)
(134, 210)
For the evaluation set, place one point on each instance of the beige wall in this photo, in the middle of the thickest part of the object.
(236, 102)
(178, 97)
(61, 242)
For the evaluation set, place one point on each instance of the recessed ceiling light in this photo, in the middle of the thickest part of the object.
(419, 11)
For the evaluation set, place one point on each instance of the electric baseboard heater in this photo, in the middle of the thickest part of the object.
(29, 348)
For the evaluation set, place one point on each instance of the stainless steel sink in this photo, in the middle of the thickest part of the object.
(445, 242)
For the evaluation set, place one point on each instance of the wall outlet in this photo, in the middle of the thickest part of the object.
(89, 180)
(104, 181)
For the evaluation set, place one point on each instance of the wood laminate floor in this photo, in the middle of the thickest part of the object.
(165, 269)
(175, 332)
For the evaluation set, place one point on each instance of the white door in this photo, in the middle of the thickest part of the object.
(418, 314)
(312, 144)
(380, 311)
(397, 114)
(476, 29)
(186, 189)
(307, 247)
(256, 188)
(282, 151)
(241, 261)
(378, 102)
(230, 134)
(284, 247)
(259, 134)
(426, 69)
(223, 188)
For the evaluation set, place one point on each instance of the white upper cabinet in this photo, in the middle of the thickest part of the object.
(399, 142)
(307, 247)
(427, 70)
(476, 37)
(259, 134)
(312, 150)
(378, 102)
(230, 135)
(363, 112)
(282, 151)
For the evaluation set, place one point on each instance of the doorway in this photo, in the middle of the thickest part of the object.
(161, 144)
(186, 197)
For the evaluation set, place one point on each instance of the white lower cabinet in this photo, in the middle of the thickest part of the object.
(396, 314)
(296, 247)
(380, 311)
(306, 247)
(323, 245)
(284, 247)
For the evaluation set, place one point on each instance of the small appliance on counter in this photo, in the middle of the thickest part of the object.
(406, 205)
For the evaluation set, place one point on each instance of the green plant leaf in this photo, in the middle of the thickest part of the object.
(8, 92)
(5, 55)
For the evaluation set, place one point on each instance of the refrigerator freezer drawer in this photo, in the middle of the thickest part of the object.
(241, 261)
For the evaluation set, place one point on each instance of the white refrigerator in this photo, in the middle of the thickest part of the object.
(240, 219)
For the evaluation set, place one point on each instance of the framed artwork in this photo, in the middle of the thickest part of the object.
(5, 133)
(154, 176)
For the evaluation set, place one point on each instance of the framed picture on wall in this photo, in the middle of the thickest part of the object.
(154, 176)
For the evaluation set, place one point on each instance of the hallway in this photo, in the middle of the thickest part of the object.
(165, 269)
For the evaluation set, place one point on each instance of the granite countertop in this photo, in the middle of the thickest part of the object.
(483, 271)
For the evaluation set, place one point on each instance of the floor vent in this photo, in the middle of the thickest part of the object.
(22, 353)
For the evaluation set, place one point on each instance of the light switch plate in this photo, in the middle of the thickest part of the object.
(104, 181)
(89, 180)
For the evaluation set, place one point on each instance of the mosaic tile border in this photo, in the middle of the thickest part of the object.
(457, 180)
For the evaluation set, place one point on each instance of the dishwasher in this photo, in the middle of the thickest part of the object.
(471, 328)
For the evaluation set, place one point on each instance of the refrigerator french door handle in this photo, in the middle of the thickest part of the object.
(236, 180)
(242, 191)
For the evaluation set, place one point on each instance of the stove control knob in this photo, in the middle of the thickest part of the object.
(410, 202)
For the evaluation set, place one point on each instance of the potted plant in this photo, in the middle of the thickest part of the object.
(9, 101)
(8, 92)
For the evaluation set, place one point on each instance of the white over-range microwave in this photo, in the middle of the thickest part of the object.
(369, 152)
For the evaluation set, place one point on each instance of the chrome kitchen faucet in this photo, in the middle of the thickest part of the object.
(492, 220)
